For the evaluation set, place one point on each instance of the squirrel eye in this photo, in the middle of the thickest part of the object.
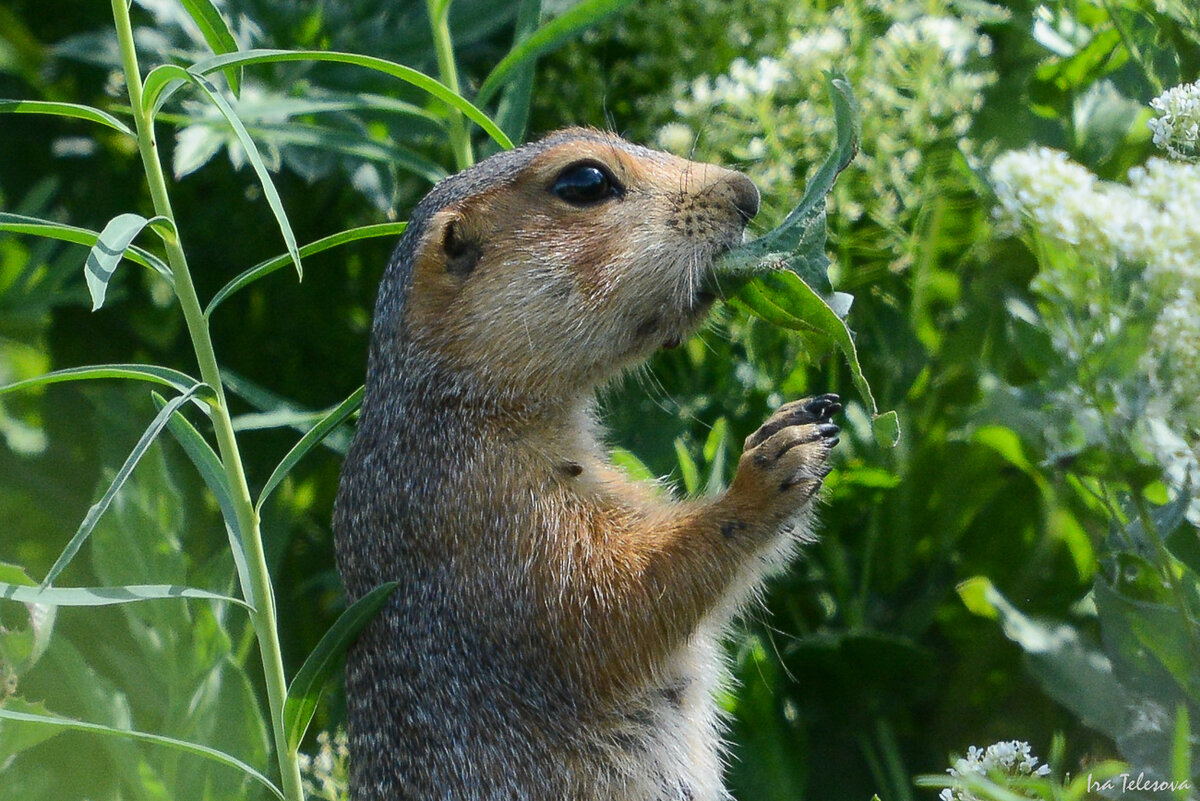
(585, 184)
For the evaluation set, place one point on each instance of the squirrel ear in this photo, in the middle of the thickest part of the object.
(462, 252)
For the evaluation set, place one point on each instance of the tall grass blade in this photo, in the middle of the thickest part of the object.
(335, 418)
(108, 596)
(269, 266)
(74, 110)
(158, 739)
(305, 689)
(546, 38)
(93, 515)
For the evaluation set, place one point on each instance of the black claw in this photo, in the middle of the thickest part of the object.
(828, 429)
(823, 407)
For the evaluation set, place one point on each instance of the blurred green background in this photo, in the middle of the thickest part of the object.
(864, 666)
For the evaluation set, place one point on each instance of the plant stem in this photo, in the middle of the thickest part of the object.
(260, 594)
(1166, 568)
(439, 23)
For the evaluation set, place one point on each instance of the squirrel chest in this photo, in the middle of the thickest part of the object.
(555, 633)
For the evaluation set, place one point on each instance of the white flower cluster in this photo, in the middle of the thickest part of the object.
(919, 84)
(1177, 127)
(1098, 231)
(1011, 758)
(326, 774)
(948, 38)
(1151, 221)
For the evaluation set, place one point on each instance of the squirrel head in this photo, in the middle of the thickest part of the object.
(543, 271)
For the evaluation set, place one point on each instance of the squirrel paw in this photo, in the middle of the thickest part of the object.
(784, 461)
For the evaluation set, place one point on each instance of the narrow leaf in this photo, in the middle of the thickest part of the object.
(57, 109)
(314, 436)
(406, 74)
(633, 467)
(107, 596)
(276, 411)
(93, 515)
(110, 247)
(512, 115)
(546, 38)
(688, 468)
(170, 742)
(271, 265)
(213, 472)
(20, 224)
(309, 682)
(181, 382)
(165, 74)
(216, 32)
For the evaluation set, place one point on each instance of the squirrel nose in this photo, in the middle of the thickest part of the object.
(745, 196)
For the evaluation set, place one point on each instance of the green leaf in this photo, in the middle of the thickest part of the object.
(549, 36)
(276, 411)
(93, 515)
(512, 115)
(782, 277)
(216, 32)
(15, 739)
(688, 469)
(20, 648)
(181, 382)
(164, 75)
(110, 247)
(1076, 675)
(158, 739)
(798, 243)
(213, 472)
(406, 74)
(306, 687)
(632, 466)
(269, 266)
(20, 224)
(781, 298)
(715, 450)
(107, 596)
(312, 438)
(74, 110)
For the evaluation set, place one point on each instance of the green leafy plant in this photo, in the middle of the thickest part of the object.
(290, 706)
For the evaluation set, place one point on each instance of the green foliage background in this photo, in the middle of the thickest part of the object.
(864, 667)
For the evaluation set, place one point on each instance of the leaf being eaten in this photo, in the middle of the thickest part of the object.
(783, 276)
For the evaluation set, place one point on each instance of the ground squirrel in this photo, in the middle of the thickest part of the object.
(556, 630)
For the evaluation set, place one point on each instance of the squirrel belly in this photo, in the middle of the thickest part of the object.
(556, 629)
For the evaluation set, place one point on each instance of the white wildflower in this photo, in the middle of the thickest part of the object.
(816, 47)
(326, 775)
(1177, 127)
(1011, 758)
(957, 41)
(676, 138)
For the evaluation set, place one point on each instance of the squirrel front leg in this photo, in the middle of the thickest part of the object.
(679, 568)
